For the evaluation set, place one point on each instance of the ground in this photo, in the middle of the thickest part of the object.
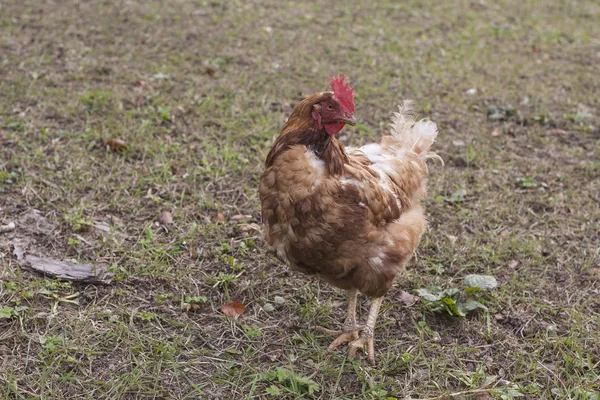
(196, 91)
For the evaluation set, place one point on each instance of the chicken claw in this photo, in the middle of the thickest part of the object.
(365, 340)
(341, 337)
(366, 336)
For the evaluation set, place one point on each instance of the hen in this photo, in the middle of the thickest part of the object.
(351, 216)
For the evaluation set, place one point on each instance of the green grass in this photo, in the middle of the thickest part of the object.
(198, 90)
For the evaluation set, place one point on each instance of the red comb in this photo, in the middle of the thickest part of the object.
(343, 92)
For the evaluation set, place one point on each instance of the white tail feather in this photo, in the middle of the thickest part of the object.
(415, 136)
(406, 135)
(402, 122)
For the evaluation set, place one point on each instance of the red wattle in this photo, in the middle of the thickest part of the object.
(333, 128)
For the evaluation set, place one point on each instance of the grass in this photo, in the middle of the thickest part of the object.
(197, 90)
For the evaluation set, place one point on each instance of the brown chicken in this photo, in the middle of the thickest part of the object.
(351, 216)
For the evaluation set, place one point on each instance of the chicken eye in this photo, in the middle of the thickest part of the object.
(329, 107)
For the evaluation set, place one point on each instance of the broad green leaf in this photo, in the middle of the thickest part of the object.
(473, 305)
(471, 290)
(273, 390)
(6, 312)
(510, 394)
(453, 308)
(292, 380)
(428, 295)
(453, 293)
(283, 374)
(527, 183)
(484, 282)
(458, 196)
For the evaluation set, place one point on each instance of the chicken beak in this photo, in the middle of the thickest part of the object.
(348, 119)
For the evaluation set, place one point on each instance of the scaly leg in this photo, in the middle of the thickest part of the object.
(366, 336)
(349, 330)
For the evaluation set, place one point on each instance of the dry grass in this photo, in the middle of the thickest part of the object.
(197, 90)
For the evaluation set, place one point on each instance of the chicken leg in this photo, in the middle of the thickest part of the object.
(350, 329)
(366, 334)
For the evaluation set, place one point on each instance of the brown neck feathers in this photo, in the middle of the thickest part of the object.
(301, 118)
(300, 129)
(325, 147)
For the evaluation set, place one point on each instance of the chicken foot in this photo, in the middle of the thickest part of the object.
(350, 330)
(366, 334)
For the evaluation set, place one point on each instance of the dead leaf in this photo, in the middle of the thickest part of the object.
(499, 317)
(557, 131)
(458, 143)
(116, 145)
(513, 264)
(407, 299)
(233, 309)
(191, 307)
(139, 84)
(210, 71)
(165, 218)
(249, 229)
(220, 218)
(452, 239)
(241, 217)
(496, 132)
